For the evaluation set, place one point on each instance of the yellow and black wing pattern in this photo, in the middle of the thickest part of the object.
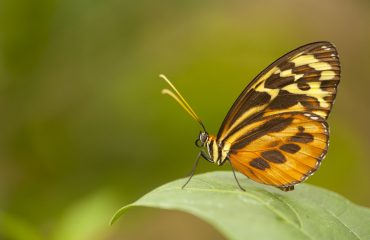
(276, 132)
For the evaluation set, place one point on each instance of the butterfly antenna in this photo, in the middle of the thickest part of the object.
(175, 94)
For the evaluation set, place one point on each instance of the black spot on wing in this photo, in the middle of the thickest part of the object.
(259, 163)
(329, 85)
(302, 137)
(274, 156)
(286, 66)
(275, 81)
(286, 100)
(310, 77)
(290, 148)
(303, 86)
(303, 69)
(325, 55)
(329, 98)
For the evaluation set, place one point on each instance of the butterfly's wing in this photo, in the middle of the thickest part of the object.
(303, 80)
(302, 85)
(280, 150)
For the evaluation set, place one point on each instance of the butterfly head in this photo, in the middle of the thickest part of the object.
(202, 139)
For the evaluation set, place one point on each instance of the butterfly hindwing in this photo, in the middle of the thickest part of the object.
(280, 150)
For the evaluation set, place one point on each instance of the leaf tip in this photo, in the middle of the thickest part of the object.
(118, 214)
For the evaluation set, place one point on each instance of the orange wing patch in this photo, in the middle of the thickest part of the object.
(280, 150)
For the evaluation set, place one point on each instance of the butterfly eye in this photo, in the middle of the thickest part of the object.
(203, 137)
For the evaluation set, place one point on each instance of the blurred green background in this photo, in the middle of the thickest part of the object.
(85, 130)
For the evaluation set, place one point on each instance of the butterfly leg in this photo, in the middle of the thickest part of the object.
(237, 181)
(200, 154)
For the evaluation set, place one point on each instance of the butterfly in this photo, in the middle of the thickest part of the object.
(276, 132)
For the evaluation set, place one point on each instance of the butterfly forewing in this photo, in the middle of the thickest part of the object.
(275, 132)
(303, 80)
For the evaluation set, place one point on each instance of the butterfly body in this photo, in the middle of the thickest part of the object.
(216, 151)
(276, 132)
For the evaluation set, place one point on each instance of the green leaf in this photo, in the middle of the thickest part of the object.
(262, 212)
